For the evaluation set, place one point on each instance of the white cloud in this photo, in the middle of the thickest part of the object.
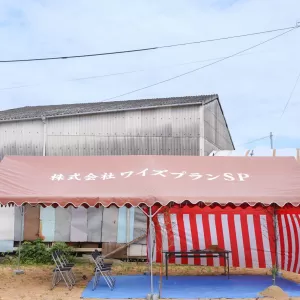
(253, 88)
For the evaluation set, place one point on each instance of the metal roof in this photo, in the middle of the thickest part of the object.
(35, 112)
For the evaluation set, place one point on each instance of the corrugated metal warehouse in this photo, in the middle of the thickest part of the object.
(170, 126)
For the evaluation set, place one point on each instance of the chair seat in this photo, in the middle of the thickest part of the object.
(106, 265)
(64, 269)
(102, 269)
(69, 265)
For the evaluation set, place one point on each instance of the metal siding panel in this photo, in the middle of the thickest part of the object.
(63, 218)
(79, 226)
(31, 222)
(48, 224)
(122, 133)
(209, 123)
(110, 225)
(7, 217)
(6, 246)
(131, 222)
(140, 225)
(21, 138)
(223, 136)
(109, 247)
(126, 133)
(94, 224)
(122, 225)
(19, 225)
(216, 131)
(133, 122)
(208, 147)
(137, 250)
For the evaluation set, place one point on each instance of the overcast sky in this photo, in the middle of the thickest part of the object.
(253, 88)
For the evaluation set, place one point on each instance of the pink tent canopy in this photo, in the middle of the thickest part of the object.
(150, 180)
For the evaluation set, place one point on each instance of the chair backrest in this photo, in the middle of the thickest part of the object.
(58, 259)
(61, 255)
(94, 255)
(55, 259)
(97, 260)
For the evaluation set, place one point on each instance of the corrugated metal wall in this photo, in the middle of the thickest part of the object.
(7, 228)
(21, 138)
(107, 225)
(216, 133)
(165, 131)
(160, 131)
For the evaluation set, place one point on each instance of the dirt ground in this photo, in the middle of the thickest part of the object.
(35, 283)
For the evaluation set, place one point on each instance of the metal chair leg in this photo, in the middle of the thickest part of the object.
(66, 280)
(53, 280)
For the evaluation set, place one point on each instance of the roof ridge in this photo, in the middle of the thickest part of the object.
(110, 102)
(60, 110)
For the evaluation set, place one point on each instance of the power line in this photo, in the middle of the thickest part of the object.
(253, 141)
(144, 49)
(205, 66)
(283, 111)
(290, 97)
(116, 73)
(200, 68)
(288, 101)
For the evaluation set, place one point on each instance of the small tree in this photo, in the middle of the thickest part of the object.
(37, 252)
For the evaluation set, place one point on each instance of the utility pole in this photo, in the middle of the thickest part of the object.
(271, 139)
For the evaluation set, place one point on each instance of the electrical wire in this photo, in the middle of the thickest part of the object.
(290, 97)
(200, 68)
(286, 106)
(283, 112)
(144, 49)
(253, 141)
(116, 73)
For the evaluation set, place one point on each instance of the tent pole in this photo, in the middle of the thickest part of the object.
(151, 296)
(19, 271)
(275, 222)
(150, 246)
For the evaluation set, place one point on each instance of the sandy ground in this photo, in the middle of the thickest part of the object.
(35, 283)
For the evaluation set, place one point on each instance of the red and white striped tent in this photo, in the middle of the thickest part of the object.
(229, 201)
(248, 232)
